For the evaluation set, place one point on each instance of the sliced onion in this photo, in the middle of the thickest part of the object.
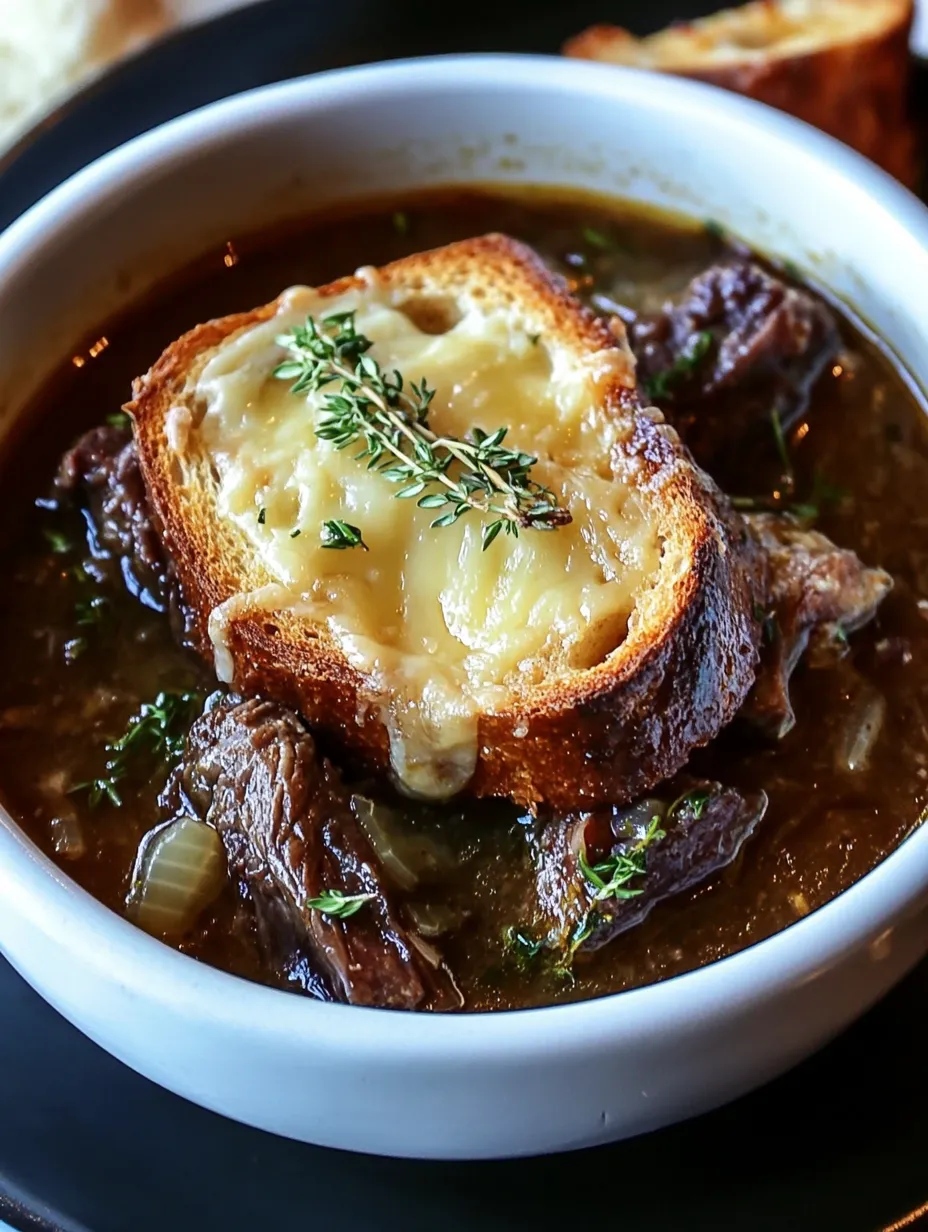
(180, 869)
(406, 857)
(68, 837)
(428, 952)
(861, 730)
(433, 919)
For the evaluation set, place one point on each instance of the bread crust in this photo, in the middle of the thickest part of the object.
(854, 87)
(608, 733)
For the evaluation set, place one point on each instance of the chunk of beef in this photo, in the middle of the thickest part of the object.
(252, 771)
(740, 345)
(703, 828)
(817, 594)
(103, 470)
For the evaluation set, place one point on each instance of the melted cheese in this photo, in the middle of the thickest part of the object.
(441, 629)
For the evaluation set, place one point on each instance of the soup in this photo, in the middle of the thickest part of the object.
(97, 699)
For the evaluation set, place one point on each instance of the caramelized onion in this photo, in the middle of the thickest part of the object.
(406, 857)
(68, 837)
(180, 869)
(861, 730)
(428, 952)
(433, 919)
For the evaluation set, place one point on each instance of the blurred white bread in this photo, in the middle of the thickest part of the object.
(842, 65)
(49, 46)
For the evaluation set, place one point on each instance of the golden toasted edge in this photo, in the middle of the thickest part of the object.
(608, 732)
(854, 86)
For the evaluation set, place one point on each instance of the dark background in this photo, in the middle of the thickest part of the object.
(840, 1144)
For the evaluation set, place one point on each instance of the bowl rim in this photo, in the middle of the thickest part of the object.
(44, 895)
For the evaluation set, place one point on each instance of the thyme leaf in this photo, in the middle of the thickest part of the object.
(59, 543)
(337, 904)
(611, 879)
(612, 876)
(338, 534)
(661, 384)
(521, 946)
(156, 732)
(90, 611)
(390, 419)
(695, 800)
(779, 437)
(597, 239)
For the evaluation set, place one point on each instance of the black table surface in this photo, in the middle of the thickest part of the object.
(86, 1145)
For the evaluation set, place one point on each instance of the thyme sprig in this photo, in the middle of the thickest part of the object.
(523, 948)
(390, 417)
(612, 878)
(157, 730)
(337, 904)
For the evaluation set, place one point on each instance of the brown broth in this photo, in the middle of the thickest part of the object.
(825, 827)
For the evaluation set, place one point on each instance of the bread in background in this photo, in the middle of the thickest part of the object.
(49, 46)
(842, 65)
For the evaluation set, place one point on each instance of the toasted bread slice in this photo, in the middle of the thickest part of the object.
(842, 65)
(575, 664)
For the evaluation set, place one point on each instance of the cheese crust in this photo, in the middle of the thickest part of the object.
(628, 632)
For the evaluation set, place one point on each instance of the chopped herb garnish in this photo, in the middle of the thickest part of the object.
(791, 270)
(826, 494)
(693, 801)
(782, 448)
(118, 419)
(90, 611)
(534, 339)
(337, 904)
(583, 930)
(401, 222)
(521, 946)
(295, 534)
(391, 421)
(804, 511)
(597, 239)
(59, 543)
(338, 534)
(714, 228)
(156, 731)
(262, 516)
(839, 633)
(611, 877)
(661, 384)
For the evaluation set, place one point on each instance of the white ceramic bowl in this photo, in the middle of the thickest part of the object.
(484, 1084)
